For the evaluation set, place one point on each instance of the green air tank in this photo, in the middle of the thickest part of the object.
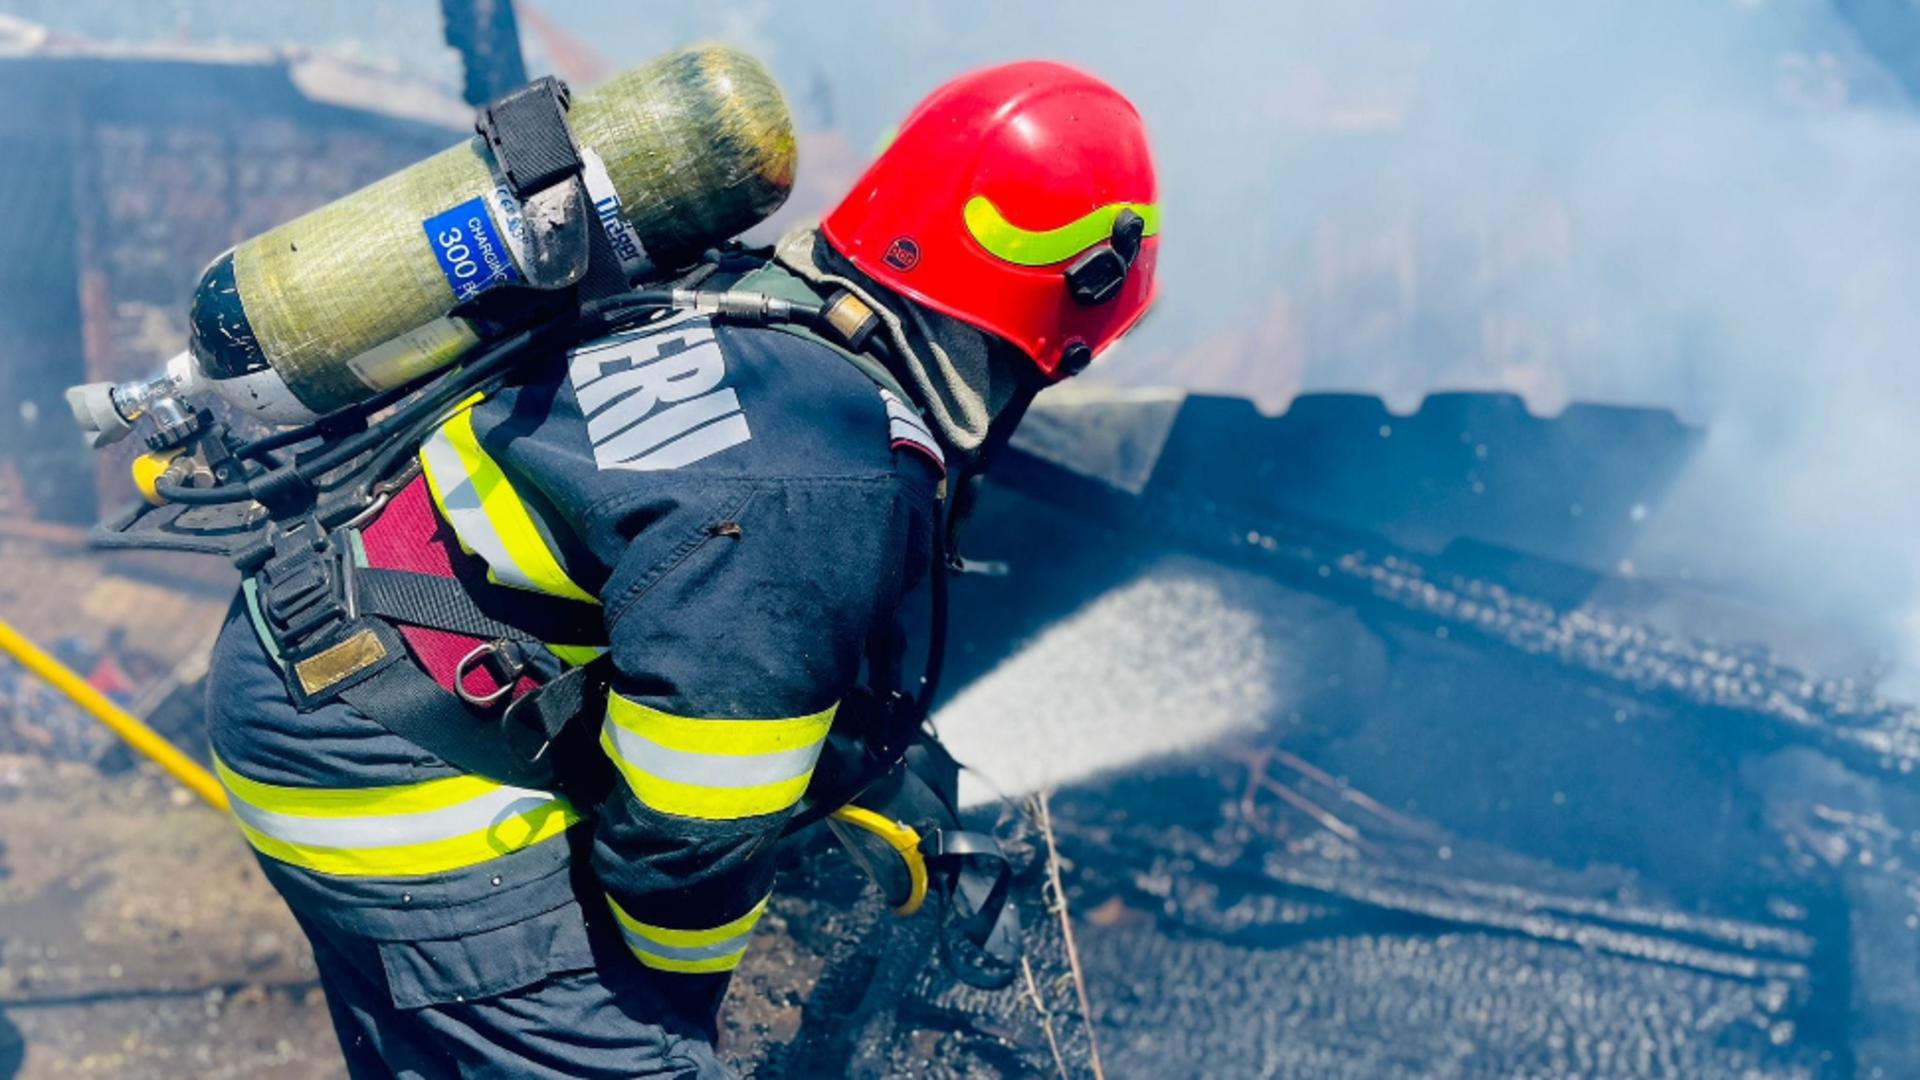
(356, 297)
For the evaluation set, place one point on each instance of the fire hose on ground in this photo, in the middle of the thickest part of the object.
(148, 742)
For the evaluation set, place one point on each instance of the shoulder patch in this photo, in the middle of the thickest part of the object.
(654, 398)
(906, 428)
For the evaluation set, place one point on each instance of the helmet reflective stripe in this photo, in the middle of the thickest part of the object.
(401, 831)
(718, 770)
(491, 520)
(689, 952)
(1005, 240)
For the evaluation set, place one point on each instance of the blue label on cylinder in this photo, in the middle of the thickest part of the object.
(469, 249)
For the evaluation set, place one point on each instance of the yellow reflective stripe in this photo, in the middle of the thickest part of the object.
(707, 966)
(437, 857)
(704, 966)
(437, 483)
(531, 564)
(718, 770)
(576, 655)
(354, 802)
(1024, 247)
(687, 939)
(711, 965)
(737, 738)
(689, 951)
(403, 830)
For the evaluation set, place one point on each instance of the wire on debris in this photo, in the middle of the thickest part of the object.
(1045, 817)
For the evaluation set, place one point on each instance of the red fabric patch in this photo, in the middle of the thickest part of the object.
(409, 535)
(931, 454)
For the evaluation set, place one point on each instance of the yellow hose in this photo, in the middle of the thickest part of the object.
(124, 724)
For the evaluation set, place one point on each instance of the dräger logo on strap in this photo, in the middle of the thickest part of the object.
(653, 400)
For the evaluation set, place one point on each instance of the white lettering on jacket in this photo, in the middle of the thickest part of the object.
(654, 400)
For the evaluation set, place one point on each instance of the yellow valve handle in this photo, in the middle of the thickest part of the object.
(147, 471)
(123, 723)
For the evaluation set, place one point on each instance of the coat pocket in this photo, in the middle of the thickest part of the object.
(454, 970)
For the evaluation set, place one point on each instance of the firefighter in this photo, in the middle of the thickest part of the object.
(722, 516)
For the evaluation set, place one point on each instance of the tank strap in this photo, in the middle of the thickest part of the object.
(572, 262)
(528, 134)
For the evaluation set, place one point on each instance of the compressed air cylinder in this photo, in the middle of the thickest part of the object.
(355, 297)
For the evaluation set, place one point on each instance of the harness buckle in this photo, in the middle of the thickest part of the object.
(302, 588)
(503, 660)
(511, 722)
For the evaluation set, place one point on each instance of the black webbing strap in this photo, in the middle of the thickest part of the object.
(563, 716)
(534, 149)
(983, 891)
(407, 702)
(979, 932)
(544, 739)
(527, 132)
(605, 276)
(443, 603)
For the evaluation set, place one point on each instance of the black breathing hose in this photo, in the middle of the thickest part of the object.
(338, 419)
(937, 626)
(217, 495)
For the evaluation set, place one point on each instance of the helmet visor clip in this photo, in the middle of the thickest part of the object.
(1097, 275)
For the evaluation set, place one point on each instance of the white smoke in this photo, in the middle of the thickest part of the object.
(1710, 205)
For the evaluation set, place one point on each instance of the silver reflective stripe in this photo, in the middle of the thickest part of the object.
(461, 501)
(900, 414)
(723, 947)
(396, 830)
(901, 431)
(905, 425)
(712, 770)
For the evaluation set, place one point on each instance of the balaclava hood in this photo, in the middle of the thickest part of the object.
(962, 380)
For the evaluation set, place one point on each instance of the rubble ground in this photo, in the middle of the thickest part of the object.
(139, 939)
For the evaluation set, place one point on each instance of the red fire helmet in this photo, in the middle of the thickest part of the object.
(1020, 200)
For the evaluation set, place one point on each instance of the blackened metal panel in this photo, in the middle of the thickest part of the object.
(1467, 468)
(488, 38)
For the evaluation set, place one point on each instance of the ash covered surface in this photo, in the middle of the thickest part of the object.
(1460, 809)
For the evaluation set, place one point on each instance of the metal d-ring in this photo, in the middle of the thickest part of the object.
(511, 667)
